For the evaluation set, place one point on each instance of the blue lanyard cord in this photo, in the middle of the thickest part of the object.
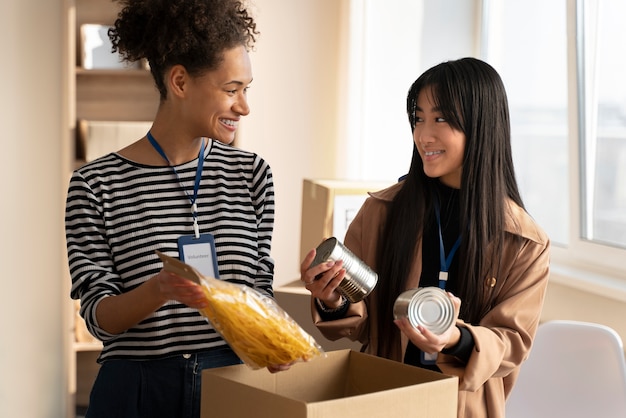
(444, 261)
(196, 186)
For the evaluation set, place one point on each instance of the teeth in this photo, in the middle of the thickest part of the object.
(430, 153)
(229, 122)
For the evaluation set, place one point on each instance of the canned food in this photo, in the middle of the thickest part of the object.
(359, 279)
(426, 306)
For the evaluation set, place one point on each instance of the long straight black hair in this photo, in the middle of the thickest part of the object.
(472, 99)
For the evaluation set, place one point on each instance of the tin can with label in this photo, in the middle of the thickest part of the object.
(426, 306)
(359, 279)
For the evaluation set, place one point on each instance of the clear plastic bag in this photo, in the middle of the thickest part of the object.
(258, 330)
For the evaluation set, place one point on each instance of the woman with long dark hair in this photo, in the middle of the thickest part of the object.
(457, 214)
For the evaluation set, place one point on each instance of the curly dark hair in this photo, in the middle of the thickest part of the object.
(192, 33)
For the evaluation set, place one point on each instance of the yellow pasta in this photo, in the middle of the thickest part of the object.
(255, 327)
(259, 331)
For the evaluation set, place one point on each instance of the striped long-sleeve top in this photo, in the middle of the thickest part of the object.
(119, 212)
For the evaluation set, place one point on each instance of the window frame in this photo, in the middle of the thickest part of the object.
(584, 264)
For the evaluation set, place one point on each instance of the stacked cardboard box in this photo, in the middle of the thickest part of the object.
(328, 207)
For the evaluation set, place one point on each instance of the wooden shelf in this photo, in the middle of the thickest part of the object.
(95, 346)
(102, 12)
(129, 72)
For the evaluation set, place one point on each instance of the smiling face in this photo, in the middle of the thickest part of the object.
(440, 146)
(218, 99)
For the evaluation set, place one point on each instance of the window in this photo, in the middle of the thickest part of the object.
(562, 64)
(526, 41)
(602, 113)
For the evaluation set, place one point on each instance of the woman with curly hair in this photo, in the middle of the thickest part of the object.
(456, 221)
(179, 189)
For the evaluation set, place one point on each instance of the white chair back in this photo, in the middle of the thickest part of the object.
(574, 370)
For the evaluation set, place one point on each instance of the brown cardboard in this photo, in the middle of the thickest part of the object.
(296, 301)
(318, 208)
(95, 138)
(345, 384)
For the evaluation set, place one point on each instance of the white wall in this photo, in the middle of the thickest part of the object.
(33, 331)
(293, 121)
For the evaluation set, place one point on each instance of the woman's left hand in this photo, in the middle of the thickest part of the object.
(275, 368)
(426, 340)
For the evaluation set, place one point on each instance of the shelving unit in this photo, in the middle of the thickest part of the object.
(115, 95)
(121, 95)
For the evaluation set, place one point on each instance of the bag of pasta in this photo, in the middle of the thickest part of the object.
(258, 330)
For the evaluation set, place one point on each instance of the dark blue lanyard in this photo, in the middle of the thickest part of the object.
(444, 261)
(196, 187)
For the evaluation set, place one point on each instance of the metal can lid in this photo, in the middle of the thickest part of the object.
(431, 308)
(329, 249)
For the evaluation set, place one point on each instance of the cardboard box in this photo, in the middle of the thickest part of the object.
(97, 138)
(345, 384)
(328, 207)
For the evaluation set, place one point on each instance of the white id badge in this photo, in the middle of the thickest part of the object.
(199, 253)
(428, 358)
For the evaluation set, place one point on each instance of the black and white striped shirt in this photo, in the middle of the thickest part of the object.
(119, 212)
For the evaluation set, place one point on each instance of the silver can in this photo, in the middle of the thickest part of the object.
(426, 306)
(359, 280)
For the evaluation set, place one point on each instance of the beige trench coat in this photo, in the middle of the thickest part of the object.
(504, 336)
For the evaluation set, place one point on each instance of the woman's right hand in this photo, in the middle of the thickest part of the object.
(322, 280)
(118, 313)
(174, 287)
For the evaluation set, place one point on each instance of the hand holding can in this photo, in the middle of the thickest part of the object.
(429, 307)
(359, 280)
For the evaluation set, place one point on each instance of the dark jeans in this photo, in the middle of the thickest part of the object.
(167, 388)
